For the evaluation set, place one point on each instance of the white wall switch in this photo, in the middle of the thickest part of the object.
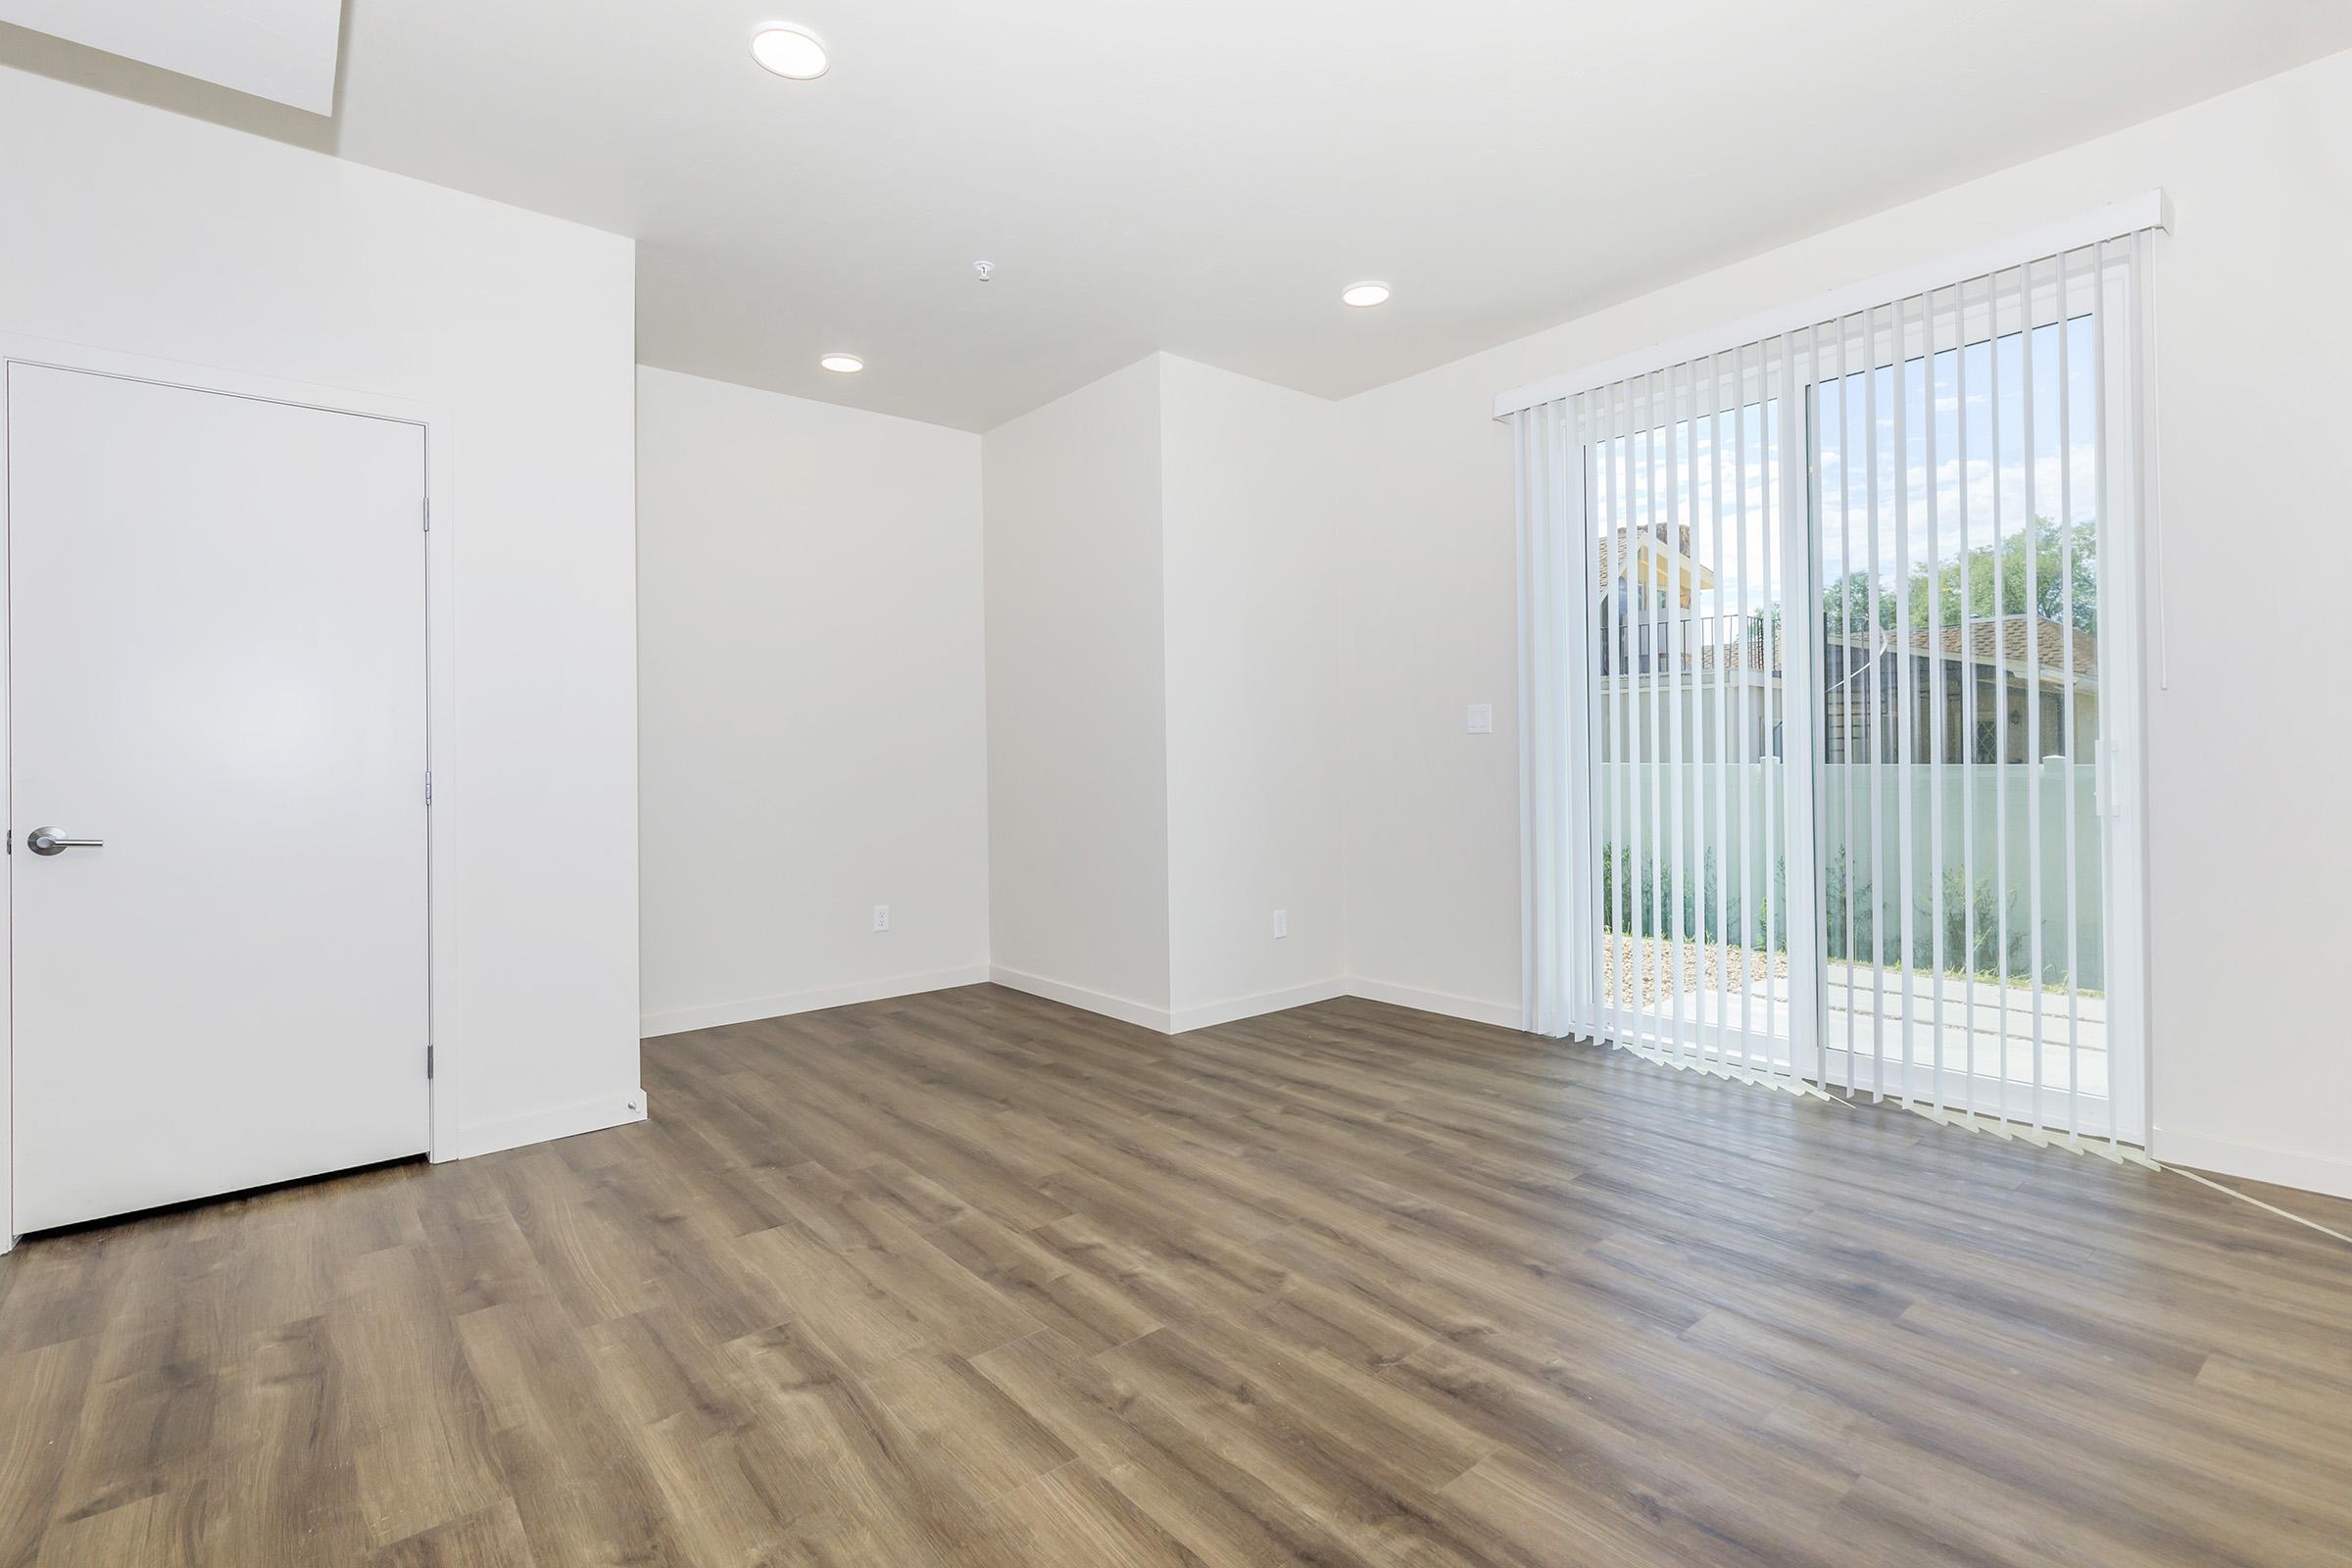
(1282, 922)
(881, 917)
(1481, 719)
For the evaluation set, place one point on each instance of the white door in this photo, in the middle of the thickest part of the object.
(217, 671)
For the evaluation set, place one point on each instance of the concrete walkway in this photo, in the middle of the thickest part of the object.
(1714, 999)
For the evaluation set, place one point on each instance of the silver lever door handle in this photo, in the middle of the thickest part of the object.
(48, 841)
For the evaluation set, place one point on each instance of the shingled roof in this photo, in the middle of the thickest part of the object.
(1980, 642)
(2005, 640)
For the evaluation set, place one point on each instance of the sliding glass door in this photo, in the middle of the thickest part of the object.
(1691, 790)
(1958, 462)
(1858, 667)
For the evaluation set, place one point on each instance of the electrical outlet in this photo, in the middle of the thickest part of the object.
(1282, 922)
(881, 917)
(1480, 720)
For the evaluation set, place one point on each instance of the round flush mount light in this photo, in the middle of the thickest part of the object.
(1364, 296)
(842, 364)
(789, 52)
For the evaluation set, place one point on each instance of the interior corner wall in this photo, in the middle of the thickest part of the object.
(136, 230)
(812, 740)
(1252, 694)
(1077, 699)
(1161, 696)
(2244, 761)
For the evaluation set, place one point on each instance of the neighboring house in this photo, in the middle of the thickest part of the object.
(1994, 674)
(1650, 561)
(1650, 588)
(2000, 678)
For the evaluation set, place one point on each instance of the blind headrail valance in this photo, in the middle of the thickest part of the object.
(2113, 221)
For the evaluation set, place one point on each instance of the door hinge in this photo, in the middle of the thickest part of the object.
(428, 787)
(429, 513)
(428, 1061)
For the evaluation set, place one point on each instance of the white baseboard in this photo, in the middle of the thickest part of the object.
(1162, 1020)
(556, 1121)
(1235, 1008)
(679, 1020)
(2280, 1167)
(1501, 1015)
(1141, 1013)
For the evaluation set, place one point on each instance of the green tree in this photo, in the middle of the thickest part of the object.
(1967, 588)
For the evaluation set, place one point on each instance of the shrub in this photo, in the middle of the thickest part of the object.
(1766, 927)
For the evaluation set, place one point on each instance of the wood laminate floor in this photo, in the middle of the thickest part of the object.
(975, 1279)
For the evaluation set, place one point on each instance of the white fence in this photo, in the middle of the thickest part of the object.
(1988, 853)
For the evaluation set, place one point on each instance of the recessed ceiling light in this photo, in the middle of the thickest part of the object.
(843, 364)
(1364, 296)
(789, 52)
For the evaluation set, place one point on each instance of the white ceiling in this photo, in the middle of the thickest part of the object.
(280, 49)
(1205, 176)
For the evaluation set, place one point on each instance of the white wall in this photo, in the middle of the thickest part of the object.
(133, 230)
(812, 733)
(2250, 1070)
(1247, 470)
(1161, 696)
(1077, 698)
(281, 49)
(1428, 589)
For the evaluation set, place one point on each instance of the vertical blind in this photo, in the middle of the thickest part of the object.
(1829, 658)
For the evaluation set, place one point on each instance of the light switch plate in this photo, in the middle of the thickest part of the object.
(1481, 719)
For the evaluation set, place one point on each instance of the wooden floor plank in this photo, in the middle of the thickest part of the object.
(973, 1279)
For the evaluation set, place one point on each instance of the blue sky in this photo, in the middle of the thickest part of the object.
(1680, 467)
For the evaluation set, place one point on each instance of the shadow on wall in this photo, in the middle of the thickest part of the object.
(78, 64)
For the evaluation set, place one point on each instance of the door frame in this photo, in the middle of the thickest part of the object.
(442, 1036)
